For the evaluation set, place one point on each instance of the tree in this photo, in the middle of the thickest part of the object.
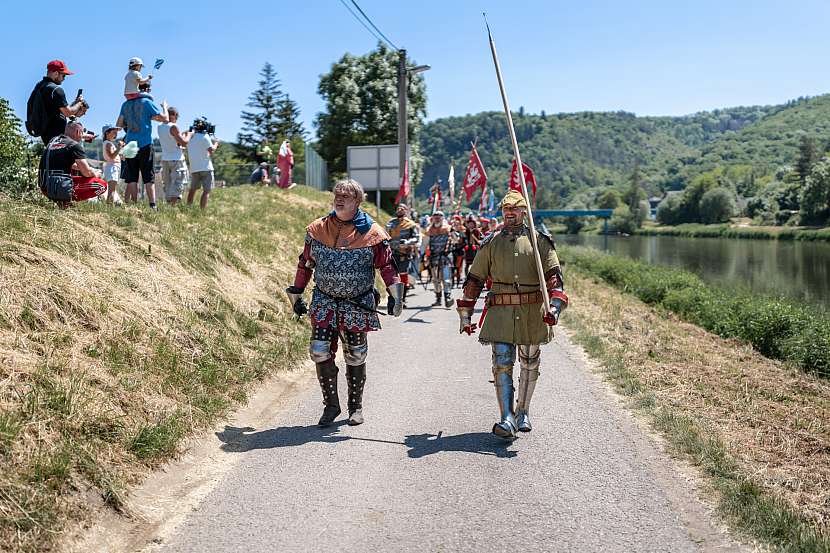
(17, 175)
(623, 221)
(815, 197)
(717, 206)
(807, 156)
(669, 211)
(610, 199)
(634, 196)
(361, 95)
(275, 117)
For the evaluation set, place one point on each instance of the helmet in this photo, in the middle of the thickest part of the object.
(135, 61)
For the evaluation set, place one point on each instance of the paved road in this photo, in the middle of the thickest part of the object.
(425, 474)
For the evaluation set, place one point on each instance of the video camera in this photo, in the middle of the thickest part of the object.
(202, 125)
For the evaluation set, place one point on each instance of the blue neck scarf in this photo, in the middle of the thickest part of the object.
(361, 221)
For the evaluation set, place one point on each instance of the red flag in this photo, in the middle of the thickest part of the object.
(403, 192)
(530, 178)
(475, 177)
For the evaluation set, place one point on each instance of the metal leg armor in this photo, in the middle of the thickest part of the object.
(504, 356)
(446, 273)
(437, 283)
(529, 357)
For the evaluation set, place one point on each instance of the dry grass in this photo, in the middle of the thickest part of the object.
(764, 423)
(122, 330)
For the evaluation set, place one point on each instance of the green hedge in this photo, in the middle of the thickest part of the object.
(777, 328)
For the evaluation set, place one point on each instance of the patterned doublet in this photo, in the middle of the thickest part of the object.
(343, 285)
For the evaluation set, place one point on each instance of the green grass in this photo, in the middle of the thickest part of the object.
(741, 501)
(777, 328)
(694, 230)
(116, 390)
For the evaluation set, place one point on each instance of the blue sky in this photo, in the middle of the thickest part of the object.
(648, 57)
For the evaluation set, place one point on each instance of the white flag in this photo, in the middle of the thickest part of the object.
(451, 183)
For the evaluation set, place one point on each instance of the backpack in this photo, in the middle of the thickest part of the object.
(36, 116)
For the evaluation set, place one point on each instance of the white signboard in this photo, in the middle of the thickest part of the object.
(374, 167)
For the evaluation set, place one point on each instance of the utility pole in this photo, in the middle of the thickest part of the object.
(402, 119)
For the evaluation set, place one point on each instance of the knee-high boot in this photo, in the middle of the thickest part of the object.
(327, 376)
(356, 377)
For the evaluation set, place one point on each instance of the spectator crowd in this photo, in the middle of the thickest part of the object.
(66, 174)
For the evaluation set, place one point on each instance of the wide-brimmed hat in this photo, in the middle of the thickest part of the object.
(58, 65)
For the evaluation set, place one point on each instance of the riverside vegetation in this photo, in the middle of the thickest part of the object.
(777, 328)
(756, 429)
(124, 330)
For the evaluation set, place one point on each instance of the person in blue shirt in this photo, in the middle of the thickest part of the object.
(136, 118)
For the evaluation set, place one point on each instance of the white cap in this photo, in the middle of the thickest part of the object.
(136, 61)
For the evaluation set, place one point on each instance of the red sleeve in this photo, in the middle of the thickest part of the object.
(303, 275)
(384, 264)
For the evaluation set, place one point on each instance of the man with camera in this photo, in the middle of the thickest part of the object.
(137, 116)
(64, 154)
(48, 111)
(199, 149)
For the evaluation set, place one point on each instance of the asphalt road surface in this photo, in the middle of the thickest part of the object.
(425, 474)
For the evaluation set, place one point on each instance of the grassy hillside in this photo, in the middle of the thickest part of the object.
(772, 141)
(579, 152)
(122, 330)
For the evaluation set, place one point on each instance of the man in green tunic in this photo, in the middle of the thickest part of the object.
(514, 309)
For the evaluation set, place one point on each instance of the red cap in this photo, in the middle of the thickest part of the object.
(58, 65)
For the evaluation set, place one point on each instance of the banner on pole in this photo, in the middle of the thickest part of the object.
(403, 191)
(451, 184)
(475, 177)
(530, 178)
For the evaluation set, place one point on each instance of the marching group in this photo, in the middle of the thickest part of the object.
(343, 250)
(65, 175)
(444, 249)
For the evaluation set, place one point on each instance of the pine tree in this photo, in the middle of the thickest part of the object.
(807, 156)
(288, 115)
(263, 125)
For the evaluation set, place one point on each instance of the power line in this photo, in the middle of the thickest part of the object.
(375, 27)
(351, 11)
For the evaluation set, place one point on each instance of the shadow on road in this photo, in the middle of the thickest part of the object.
(483, 443)
(413, 319)
(239, 440)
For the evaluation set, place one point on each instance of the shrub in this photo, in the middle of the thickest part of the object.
(669, 210)
(623, 221)
(16, 176)
(717, 206)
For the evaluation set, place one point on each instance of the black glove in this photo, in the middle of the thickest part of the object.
(299, 306)
(390, 305)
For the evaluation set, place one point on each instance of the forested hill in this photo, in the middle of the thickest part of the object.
(574, 152)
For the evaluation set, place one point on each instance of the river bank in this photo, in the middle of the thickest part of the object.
(693, 230)
(757, 430)
(777, 328)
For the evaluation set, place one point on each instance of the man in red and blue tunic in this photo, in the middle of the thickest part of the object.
(342, 251)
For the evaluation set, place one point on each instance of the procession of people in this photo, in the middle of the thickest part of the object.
(345, 248)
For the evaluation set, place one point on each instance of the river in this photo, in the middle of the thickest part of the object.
(799, 270)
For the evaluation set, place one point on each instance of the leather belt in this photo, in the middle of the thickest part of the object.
(515, 299)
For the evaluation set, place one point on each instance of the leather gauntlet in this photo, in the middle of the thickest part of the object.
(295, 296)
(465, 309)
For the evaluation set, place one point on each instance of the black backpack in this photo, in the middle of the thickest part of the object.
(36, 116)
